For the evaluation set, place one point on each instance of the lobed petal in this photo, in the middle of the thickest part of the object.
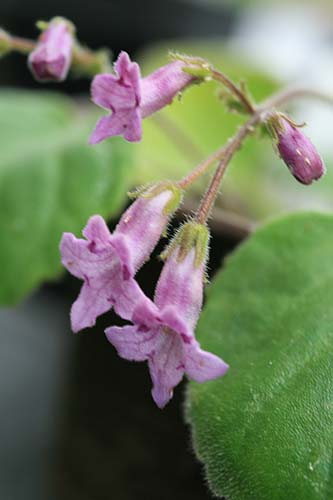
(92, 301)
(97, 230)
(84, 263)
(202, 365)
(110, 93)
(125, 122)
(131, 343)
(166, 366)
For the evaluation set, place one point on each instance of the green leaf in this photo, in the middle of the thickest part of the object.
(265, 430)
(51, 181)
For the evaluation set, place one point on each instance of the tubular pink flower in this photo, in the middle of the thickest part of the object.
(108, 262)
(51, 59)
(131, 98)
(163, 331)
(298, 152)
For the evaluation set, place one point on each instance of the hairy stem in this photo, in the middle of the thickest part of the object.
(234, 144)
(23, 45)
(259, 115)
(238, 93)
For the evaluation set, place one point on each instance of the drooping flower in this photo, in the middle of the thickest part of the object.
(297, 151)
(51, 59)
(108, 262)
(163, 332)
(131, 98)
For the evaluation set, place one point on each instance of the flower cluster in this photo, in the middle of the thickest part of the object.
(162, 332)
(159, 331)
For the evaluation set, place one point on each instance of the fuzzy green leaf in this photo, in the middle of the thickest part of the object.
(265, 430)
(51, 181)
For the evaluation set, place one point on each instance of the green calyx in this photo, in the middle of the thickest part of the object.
(153, 190)
(195, 66)
(90, 63)
(190, 235)
(43, 25)
(275, 125)
(5, 42)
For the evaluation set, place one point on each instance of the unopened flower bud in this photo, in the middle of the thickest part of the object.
(297, 151)
(51, 59)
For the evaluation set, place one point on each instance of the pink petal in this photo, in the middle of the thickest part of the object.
(160, 87)
(80, 261)
(109, 93)
(97, 230)
(146, 313)
(126, 122)
(91, 303)
(129, 73)
(131, 343)
(166, 366)
(127, 295)
(201, 365)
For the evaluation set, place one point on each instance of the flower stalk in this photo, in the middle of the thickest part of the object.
(84, 60)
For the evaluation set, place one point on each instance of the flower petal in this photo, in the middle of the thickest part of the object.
(131, 343)
(83, 262)
(97, 230)
(166, 366)
(128, 73)
(124, 122)
(91, 303)
(202, 365)
(127, 296)
(110, 93)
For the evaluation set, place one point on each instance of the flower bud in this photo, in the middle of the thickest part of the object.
(297, 151)
(51, 59)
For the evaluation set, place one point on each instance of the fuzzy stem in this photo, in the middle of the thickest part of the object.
(234, 144)
(259, 115)
(225, 80)
(23, 45)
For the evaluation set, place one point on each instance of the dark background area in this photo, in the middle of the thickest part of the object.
(76, 421)
(118, 25)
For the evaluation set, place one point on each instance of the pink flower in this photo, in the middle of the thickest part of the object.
(298, 152)
(131, 98)
(107, 262)
(51, 59)
(163, 331)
